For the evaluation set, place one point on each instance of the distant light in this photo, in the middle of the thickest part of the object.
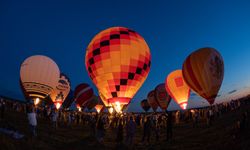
(184, 106)
(111, 110)
(117, 107)
(37, 100)
(58, 105)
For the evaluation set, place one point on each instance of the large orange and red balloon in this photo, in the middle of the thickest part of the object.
(162, 96)
(83, 94)
(178, 88)
(39, 76)
(152, 101)
(203, 71)
(118, 62)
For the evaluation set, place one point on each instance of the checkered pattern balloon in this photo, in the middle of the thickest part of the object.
(118, 61)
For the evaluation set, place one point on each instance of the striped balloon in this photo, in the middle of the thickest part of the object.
(83, 93)
(162, 97)
(203, 71)
(152, 101)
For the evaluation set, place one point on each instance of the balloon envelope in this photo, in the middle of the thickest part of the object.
(145, 105)
(203, 71)
(152, 101)
(162, 96)
(39, 75)
(69, 100)
(61, 91)
(92, 102)
(118, 61)
(177, 88)
(83, 93)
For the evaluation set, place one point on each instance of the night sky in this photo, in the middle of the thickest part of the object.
(173, 29)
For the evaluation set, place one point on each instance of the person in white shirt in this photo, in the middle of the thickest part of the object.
(32, 119)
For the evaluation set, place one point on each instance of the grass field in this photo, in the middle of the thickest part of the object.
(218, 136)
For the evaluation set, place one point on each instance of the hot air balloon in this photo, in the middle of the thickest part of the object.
(39, 76)
(61, 91)
(203, 71)
(99, 106)
(177, 88)
(162, 96)
(145, 105)
(92, 102)
(118, 62)
(152, 101)
(69, 100)
(83, 93)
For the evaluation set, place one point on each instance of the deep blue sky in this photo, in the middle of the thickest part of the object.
(172, 29)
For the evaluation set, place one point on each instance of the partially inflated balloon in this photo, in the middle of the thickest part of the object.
(177, 88)
(203, 71)
(69, 100)
(118, 62)
(162, 96)
(61, 91)
(92, 102)
(145, 105)
(83, 93)
(152, 101)
(39, 76)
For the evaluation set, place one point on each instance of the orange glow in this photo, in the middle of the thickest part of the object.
(98, 108)
(79, 107)
(177, 88)
(118, 107)
(37, 100)
(58, 105)
(111, 110)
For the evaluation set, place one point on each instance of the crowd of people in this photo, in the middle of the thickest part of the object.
(126, 125)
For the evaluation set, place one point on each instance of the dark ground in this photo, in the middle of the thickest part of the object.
(218, 136)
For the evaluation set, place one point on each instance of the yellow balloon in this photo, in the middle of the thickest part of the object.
(177, 88)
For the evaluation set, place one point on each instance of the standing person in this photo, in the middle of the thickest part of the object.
(77, 118)
(2, 108)
(196, 117)
(119, 137)
(54, 116)
(130, 130)
(32, 119)
(169, 126)
(100, 130)
(147, 129)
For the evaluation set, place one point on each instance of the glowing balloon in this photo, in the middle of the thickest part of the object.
(145, 105)
(39, 76)
(152, 101)
(118, 62)
(177, 88)
(203, 71)
(162, 96)
(61, 91)
(98, 107)
(104, 100)
(83, 93)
